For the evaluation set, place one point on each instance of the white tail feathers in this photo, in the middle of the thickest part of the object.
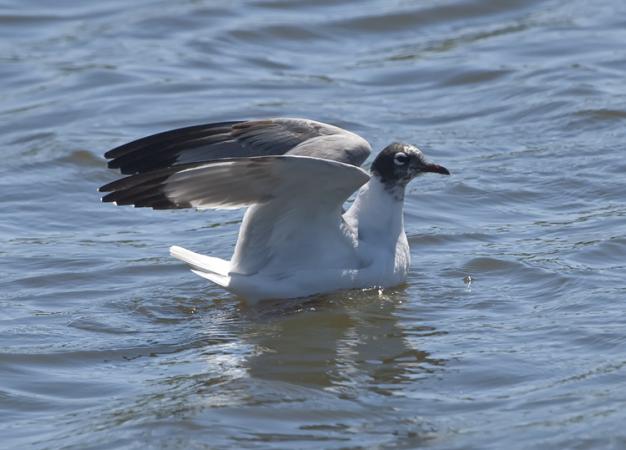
(209, 267)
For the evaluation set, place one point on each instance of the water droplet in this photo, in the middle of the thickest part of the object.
(468, 282)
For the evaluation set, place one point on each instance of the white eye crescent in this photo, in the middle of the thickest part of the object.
(400, 159)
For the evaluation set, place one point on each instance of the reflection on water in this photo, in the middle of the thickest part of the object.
(322, 367)
(340, 342)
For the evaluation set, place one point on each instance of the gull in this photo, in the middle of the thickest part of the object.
(294, 176)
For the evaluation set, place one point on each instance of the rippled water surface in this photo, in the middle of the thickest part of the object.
(107, 342)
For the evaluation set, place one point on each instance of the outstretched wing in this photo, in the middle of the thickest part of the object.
(235, 183)
(239, 139)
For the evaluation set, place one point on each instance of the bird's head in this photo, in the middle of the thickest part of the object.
(399, 163)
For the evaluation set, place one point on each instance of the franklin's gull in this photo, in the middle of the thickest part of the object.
(294, 175)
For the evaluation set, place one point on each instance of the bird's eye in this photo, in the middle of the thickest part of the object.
(400, 159)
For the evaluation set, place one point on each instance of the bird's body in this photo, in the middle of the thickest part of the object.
(295, 176)
(325, 254)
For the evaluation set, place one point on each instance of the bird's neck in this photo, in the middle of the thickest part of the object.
(377, 212)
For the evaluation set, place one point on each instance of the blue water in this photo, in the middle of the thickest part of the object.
(107, 342)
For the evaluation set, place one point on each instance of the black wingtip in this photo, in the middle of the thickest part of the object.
(107, 187)
(168, 136)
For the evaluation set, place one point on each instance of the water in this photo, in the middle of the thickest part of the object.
(107, 342)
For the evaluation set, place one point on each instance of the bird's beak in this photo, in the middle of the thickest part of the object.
(435, 168)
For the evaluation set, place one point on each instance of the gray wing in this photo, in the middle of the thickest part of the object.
(239, 139)
(235, 183)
